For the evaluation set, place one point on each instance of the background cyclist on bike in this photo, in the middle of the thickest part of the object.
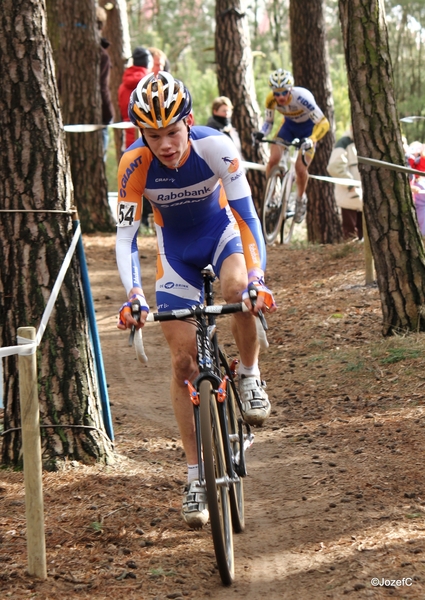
(303, 119)
(203, 214)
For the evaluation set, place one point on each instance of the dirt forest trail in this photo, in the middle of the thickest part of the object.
(314, 526)
(335, 493)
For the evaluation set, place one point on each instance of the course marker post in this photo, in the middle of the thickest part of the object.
(31, 447)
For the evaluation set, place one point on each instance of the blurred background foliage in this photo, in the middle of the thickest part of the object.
(184, 30)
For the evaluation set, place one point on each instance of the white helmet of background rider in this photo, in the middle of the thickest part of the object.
(281, 79)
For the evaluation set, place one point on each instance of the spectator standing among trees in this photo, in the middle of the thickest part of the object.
(142, 65)
(105, 70)
(343, 164)
(221, 119)
(416, 159)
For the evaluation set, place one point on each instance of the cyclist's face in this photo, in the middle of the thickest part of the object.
(282, 97)
(168, 144)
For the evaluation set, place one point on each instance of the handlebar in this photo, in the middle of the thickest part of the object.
(196, 311)
(296, 143)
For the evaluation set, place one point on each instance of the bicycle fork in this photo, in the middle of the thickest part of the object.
(235, 463)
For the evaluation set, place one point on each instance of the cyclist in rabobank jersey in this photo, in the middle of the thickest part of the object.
(204, 214)
(303, 119)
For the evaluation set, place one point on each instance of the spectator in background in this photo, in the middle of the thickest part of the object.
(160, 60)
(105, 70)
(343, 164)
(416, 159)
(142, 65)
(221, 119)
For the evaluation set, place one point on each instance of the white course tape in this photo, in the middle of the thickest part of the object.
(26, 346)
(57, 286)
(88, 128)
(338, 180)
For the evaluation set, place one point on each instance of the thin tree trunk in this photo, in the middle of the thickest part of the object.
(36, 177)
(388, 208)
(117, 32)
(235, 80)
(310, 65)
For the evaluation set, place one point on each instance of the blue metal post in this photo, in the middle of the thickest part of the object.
(98, 359)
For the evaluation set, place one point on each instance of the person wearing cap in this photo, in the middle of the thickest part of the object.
(142, 65)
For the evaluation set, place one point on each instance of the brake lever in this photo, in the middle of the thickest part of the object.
(136, 314)
(253, 297)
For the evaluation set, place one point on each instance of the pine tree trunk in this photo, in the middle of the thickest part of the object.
(235, 80)
(311, 70)
(75, 41)
(36, 176)
(390, 215)
(117, 32)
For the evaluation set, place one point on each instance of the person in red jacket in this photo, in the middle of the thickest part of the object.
(142, 65)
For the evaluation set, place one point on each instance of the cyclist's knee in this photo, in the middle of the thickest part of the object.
(184, 366)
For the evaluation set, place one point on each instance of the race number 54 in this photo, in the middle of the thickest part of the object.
(126, 213)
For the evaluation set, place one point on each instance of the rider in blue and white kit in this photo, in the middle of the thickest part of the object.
(204, 214)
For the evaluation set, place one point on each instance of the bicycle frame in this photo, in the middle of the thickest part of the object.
(276, 211)
(208, 354)
(220, 437)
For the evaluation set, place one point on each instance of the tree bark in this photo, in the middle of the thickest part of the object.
(36, 177)
(388, 208)
(117, 32)
(235, 80)
(310, 66)
(75, 40)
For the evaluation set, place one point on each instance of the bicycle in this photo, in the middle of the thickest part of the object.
(279, 203)
(222, 436)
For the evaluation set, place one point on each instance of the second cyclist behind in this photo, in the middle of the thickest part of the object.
(303, 119)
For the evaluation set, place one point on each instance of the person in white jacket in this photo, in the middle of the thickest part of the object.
(343, 164)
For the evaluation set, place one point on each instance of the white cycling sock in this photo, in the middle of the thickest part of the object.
(253, 371)
(192, 473)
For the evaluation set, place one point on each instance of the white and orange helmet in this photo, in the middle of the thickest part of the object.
(158, 101)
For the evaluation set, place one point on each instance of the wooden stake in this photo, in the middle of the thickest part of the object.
(31, 446)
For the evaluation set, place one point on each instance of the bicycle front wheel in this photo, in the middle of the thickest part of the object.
(216, 483)
(237, 502)
(272, 211)
(290, 194)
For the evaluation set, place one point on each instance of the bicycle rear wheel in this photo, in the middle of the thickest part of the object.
(272, 211)
(216, 483)
(290, 194)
